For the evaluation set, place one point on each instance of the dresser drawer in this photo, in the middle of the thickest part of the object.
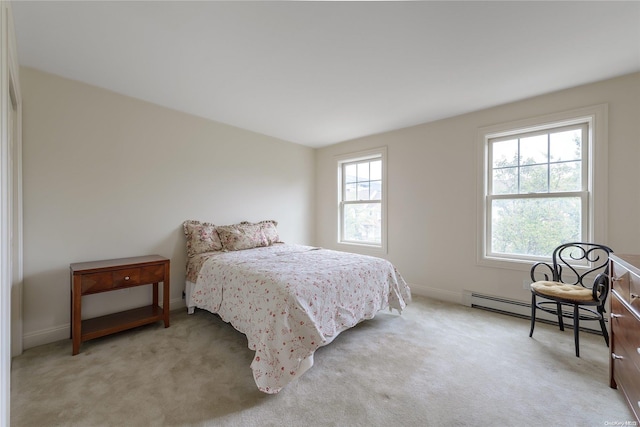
(627, 378)
(634, 291)
(626, 330)
(627, 284)
(620, 280)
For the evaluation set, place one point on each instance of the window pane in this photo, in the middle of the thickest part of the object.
(505, 153)
(565, 176)
(533, 179)
(566, 145)
(505, 181)
(363, 191)
(351, 192)
(375, 190)
(534, 226)
(362, 222)
(534, 149)
(363, 171)
(375, 170)
(350, 173)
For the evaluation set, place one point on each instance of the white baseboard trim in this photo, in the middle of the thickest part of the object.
(46, 336)
(497, 304)
(439, 294)
(520, 309)
(177, 304)
(63, 332)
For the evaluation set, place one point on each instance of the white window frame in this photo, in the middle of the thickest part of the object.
(376, 153)
(595, 186)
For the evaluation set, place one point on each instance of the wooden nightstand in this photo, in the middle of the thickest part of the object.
(109, 275)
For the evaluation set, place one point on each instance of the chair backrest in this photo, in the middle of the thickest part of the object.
(574, 262)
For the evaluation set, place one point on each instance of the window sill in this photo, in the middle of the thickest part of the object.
(364, 248)
(509, 263)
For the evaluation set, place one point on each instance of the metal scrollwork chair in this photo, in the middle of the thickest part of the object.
(569, 288)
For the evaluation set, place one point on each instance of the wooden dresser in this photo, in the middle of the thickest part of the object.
(112, 274)
(624, 365)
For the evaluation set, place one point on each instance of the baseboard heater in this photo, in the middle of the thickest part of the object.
(522, 310)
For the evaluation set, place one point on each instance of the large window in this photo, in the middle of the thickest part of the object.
(538, 185)
(361, 199)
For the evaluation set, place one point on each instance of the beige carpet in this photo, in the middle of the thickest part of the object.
(437, 364)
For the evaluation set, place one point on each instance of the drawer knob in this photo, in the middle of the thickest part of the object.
(634, 296)
(126, 277)
(616, 357)
(616, 279)
(615, 315)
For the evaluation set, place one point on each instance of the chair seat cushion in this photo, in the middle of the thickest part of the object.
(562, 290)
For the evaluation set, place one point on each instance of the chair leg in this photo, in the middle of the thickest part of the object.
(560, 321)
(533, 313)
(576, 328)
(604, 332)
(603, 326)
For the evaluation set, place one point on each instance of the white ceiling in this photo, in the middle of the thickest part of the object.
(317, 73)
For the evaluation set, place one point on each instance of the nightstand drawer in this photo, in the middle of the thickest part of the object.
(126, 277)
(96, 282)
(152, 273)
(99, 282)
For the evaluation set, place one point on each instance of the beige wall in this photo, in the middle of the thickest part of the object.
(432, 175)
(108, 176)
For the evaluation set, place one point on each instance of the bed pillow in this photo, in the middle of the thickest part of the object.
(201, 237)
(241, 236)
(269, 228)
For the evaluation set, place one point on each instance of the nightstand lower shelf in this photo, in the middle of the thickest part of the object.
(117, 322)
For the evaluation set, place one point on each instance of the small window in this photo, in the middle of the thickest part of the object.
(361, 199)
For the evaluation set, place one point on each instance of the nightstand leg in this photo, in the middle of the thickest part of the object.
(165, 294)
(76, 315)
(155, 294)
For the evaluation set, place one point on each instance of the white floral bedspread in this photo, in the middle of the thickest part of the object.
(291, 299)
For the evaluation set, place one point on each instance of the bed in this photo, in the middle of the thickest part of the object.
(288, 299)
